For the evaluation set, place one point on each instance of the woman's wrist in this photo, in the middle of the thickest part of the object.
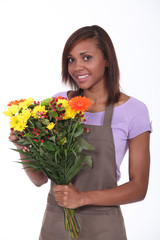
(85, 200)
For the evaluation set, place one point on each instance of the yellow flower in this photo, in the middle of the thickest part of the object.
(25, 115)
(69, 113)
(64, 102)
(39, 109)
(12, 110)
(26, 103)
(50, 125)
(20, 126)
(19, 122)
(13, 121)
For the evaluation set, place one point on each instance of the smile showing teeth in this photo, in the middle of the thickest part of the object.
(83, 76)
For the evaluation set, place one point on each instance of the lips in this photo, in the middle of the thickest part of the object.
(82, 77)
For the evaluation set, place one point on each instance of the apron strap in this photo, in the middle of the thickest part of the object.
(108, 115)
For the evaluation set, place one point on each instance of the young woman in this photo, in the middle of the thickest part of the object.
(117, 122)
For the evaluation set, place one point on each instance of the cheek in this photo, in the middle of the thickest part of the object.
(98, 69)
(70, 69)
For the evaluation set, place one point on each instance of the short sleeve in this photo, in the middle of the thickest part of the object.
(63, 94)
(140, 121)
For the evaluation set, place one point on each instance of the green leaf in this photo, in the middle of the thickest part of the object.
(22, 143)
(52, 114)
(38, 124)
(62, 141)
(88, 160)
(46, 102)
(27, 154)
(29, 135)
(75, 154)
(78, 133)
(84, 144)
(53, 138)
(74, 170)
(45, 121)
(49, 145)
(56, 153)
(60, 109)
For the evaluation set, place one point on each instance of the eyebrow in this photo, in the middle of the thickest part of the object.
(69, 55)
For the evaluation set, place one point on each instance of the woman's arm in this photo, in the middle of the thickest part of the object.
(38, 178)
(132, 191)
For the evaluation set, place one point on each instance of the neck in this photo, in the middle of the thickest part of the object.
(97, 96)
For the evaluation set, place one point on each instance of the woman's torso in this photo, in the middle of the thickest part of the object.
(130, 118)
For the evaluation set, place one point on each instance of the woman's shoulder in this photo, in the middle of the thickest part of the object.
(68, 94)
(133, 114)
(62, 94)
(131, 104)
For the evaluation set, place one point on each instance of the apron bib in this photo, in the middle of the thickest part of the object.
(97, 222)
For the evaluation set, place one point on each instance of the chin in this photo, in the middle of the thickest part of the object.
(83, 86)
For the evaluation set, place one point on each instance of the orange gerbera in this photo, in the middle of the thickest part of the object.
(79, 104)
(16, 102)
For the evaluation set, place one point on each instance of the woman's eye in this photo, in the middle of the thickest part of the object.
(70, 60)
(86, 58)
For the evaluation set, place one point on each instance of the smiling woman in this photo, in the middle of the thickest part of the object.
(89, 65)
(116, 123)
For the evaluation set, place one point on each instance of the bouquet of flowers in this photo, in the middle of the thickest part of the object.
(51, 133)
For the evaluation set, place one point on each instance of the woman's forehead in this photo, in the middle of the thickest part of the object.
(84, 46)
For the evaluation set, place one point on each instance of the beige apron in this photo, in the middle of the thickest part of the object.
(97, 222)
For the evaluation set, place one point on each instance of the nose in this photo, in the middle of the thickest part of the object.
(78, 65)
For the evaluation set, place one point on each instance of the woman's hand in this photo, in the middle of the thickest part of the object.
(38, 178)
(132, 191)
(68, 196)
(12, 138)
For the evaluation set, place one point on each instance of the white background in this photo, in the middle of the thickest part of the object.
(32, 36)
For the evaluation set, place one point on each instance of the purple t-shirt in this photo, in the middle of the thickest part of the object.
(128, 121)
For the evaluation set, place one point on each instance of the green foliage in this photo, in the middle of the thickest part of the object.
(46, 102)
(57, 152)
(60, 156)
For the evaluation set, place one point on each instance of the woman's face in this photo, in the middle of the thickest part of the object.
(86, 64)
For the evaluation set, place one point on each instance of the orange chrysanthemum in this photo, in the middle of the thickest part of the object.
(16, 102)
(79, 104)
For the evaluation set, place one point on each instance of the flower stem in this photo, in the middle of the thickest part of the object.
(31, 123)
(71, 223)
(72, 134)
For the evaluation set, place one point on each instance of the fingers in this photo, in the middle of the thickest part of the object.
(13, 138)
(61, 194)
(58, 188)
(67, 196)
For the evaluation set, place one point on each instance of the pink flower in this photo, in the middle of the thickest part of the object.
(25, 149)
